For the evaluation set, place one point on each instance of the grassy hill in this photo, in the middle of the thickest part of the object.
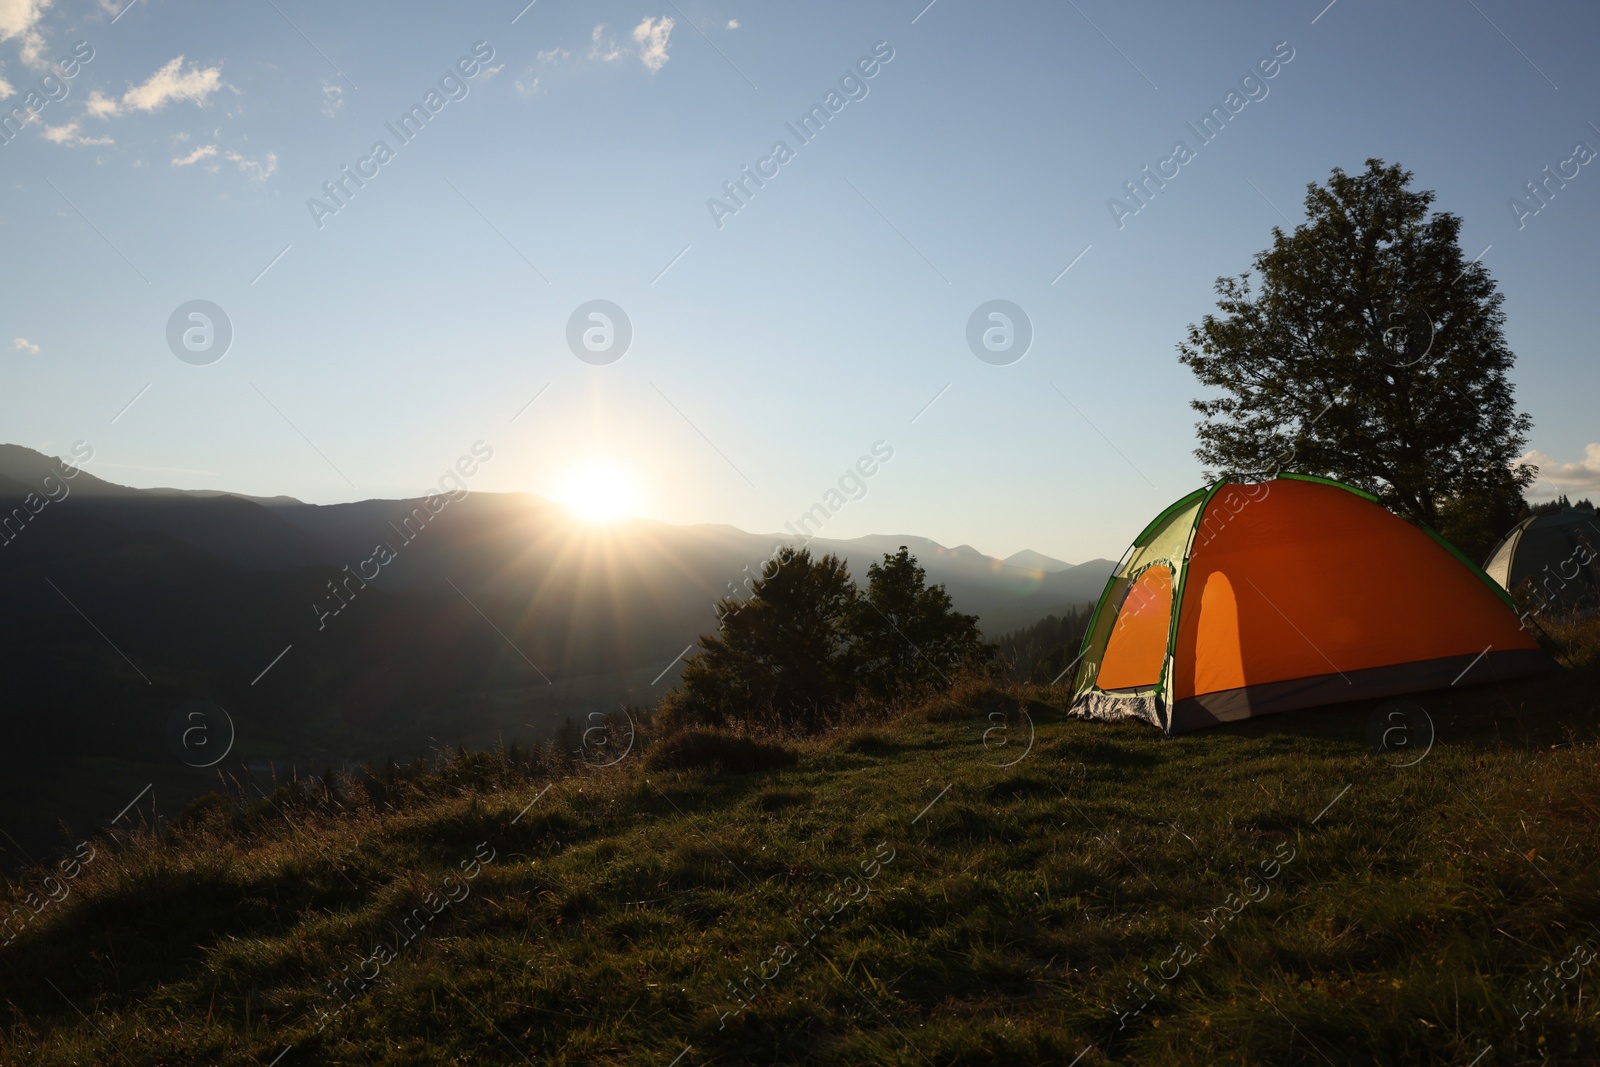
(1270, 892)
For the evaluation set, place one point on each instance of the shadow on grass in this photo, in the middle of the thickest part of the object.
(1530, 713)
(118, 948)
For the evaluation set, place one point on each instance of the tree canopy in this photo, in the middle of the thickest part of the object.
(807, 642)
(908, 636)
(780, 657)
(1368, 349)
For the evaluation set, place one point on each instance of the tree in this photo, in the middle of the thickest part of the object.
(1560, 504)
(908, 637)
(1041, 653)
(1476, 521)
(1371, 352)
(780, 658)
(807, 642)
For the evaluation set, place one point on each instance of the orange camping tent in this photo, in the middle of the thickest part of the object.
(1245, 599)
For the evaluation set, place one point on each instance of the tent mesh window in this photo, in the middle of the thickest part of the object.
(1164, 543)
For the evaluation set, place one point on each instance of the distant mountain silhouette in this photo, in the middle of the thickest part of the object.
(1030, 560)
(388, 627)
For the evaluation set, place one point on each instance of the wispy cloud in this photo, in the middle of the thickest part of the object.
(529, 83)
(257, 170)
(733, 24)
(22, 344)
(205, 151)
(601, 47)
(169, 83)
(68, 134)
(332, 98)
(652, 36)
(172, 82)
(488, 72)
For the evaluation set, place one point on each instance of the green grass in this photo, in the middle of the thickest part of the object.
(1001, 913)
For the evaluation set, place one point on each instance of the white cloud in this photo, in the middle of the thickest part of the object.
(22, 344)
(606, 52)
(489, 72)
(6, 88)
(172, 82)
(1582, 477)
(99, 105)
(332, 98)
(258, 170)
(19, 19)
(553, 54)
(68, 134)
(205, 151)
(169, 83)
(733, 24)
(651, 36)
(527, 86)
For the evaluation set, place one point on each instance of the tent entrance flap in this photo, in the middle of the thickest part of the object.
(1137, 648)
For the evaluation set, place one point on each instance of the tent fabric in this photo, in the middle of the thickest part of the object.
(1290, 593)
(1551, 561)
(1137, 648)
(1231, 705)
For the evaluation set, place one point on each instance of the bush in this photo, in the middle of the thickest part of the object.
(710, 750)
(971, 696)
(207, 808)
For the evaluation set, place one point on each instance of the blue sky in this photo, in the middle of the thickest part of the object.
(372, 346)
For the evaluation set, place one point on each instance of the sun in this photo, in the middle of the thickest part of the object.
(598, 490)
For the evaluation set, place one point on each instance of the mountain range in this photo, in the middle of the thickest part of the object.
(327, 634)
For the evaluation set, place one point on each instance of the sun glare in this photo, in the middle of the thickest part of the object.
(598, 491)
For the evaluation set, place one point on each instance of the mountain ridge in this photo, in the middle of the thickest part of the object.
(325, 529)
(336, 634)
